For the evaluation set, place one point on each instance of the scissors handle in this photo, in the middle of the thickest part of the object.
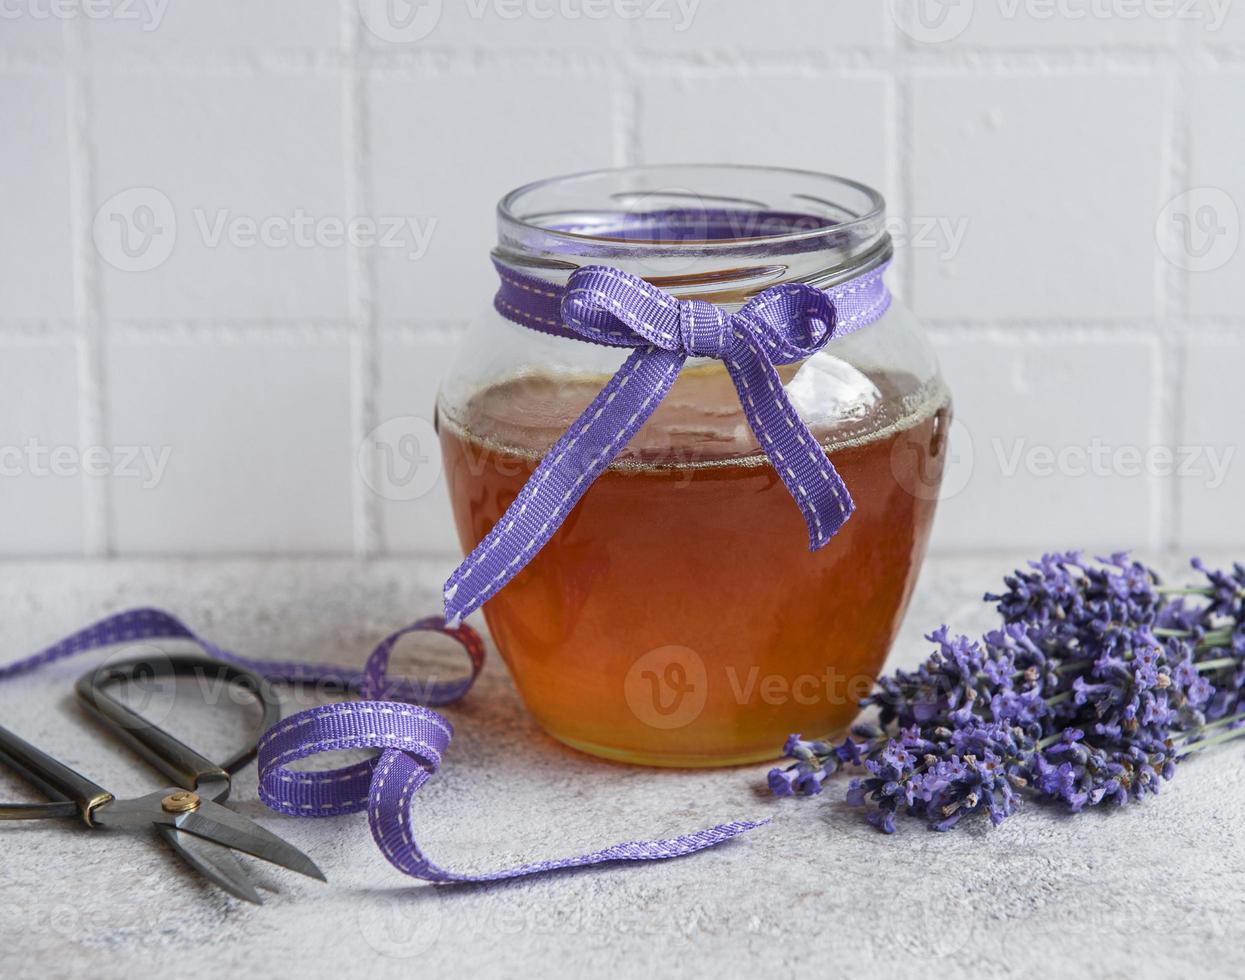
(175, 759)
(72, 792)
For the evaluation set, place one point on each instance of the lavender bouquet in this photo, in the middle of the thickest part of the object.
(1099, 683)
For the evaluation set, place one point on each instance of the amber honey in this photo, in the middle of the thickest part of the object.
(678, 617)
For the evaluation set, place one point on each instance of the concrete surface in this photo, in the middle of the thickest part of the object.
(1150, 891)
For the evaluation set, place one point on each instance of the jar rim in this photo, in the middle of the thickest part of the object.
(525, 214)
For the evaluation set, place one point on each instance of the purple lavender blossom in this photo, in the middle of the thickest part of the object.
(1099, 682)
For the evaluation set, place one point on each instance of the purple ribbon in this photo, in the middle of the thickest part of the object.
(135, 625)
(604, 305)
(411, 740)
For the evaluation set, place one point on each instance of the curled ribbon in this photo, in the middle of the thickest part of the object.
(603, 305)
(411, 740)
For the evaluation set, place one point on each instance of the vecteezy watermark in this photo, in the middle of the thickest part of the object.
(940, 21)
(144, 681)
(146, 464)
(669, 687)
(1211, 13)
(940, 464)
(1209, 464)
(942, 234)
(148, 14)
(399, 459)
(401, 21)
(408, 21)
(932, 21)
(934, 463)
(407, 922)
(299, 229)
(1199, 230)
(136, 230)
(37, 913)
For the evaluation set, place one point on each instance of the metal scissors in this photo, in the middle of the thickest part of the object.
(190, 816)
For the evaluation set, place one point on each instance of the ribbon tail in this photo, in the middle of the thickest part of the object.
(412, 741)
(136, 625)
(800, 461)
(131, 626)
(399, 774)
(566, 472)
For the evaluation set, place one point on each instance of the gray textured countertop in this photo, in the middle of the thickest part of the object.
(1147, 891)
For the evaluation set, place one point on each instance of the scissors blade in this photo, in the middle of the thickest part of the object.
(223, 826)
(214, 862)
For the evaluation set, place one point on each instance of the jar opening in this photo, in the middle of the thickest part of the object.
(696, 225)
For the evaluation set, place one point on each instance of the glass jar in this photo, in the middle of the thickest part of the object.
(677, 617)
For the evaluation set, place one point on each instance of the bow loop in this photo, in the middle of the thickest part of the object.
(793, 320)
(609, 306)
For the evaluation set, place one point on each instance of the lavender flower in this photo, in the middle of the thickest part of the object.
(814, 762)
(1099, 681)
(1227, 589)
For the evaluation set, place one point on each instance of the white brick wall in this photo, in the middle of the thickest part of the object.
(1091, 318)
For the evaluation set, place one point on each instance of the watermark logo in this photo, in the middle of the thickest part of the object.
(35, 914)
(300, 229)
(676, 217)
(1209, 465)
(917, 469)
(667, 688)
(135, 230)
(401, 21)
(940, 21)
(148, 688)
(398, 459)
(148, 14)
(409, 21)
(1199, 230)
(932, 21)
(942, 234)
(406, 924)
(147, 464)
(935, 465)
(1210, 12)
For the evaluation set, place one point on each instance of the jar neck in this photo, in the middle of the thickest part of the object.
(715, 233)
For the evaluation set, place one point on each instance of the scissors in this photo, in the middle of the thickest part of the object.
(190, 816)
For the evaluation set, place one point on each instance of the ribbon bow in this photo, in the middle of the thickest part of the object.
(783, 324)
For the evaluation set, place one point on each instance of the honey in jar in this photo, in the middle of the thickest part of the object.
(677, 617)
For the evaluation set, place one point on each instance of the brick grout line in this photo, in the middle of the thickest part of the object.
(1172, 300)
(31, 61)
(1205, 326)
(1032, 332)
(51, 328)
(903, 130)
(446, 332)
(367, 514)
(1174, 325)
(156, 332)
(955, 59)
(234, 62)
(88, 297)
(1215, 327)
